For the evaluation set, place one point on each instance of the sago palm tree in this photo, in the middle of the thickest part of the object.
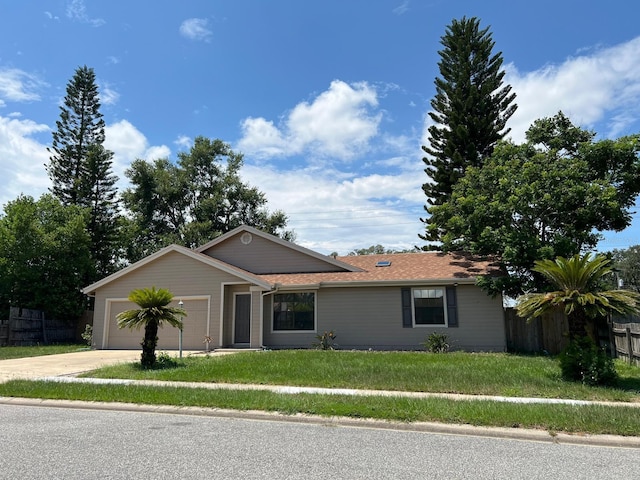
(153, 312)
(579, 292)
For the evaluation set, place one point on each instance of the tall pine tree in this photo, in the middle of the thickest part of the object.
(470, 109)
(80, 168)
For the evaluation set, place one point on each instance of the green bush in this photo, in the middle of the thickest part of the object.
(87, 335)
(437, 343)
(325, 341)
(585, 362)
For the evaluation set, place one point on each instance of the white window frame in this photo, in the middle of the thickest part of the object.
(315, 312)
(444, 308)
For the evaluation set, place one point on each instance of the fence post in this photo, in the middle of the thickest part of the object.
(629, 344)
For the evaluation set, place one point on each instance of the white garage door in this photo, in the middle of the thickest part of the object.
(194, 331)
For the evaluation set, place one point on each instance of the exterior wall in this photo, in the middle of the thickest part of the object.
(184, 277)
(365, 318)
(263, 256)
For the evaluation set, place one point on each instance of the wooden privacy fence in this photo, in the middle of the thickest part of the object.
(627, 341)
(544, 334)
(29, 327)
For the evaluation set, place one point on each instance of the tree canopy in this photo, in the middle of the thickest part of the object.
(470, 109)
(44, 256)
(193, 201)
(627, 266)
(548, 197)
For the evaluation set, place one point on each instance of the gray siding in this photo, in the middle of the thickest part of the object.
(182, 275)
(263, 256)
(365, 318)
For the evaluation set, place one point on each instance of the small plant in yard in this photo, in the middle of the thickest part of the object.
(87, 335)
(437, 343)
(164, 360)
(207, 343)
(326, 341)
(585, 362)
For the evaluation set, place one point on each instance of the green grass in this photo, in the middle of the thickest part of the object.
(39, 350)
(456, 372)
(553, 418)
(488, 374)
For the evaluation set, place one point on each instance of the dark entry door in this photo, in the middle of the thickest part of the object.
(242, 318)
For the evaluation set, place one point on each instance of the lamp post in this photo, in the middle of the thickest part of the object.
(180, 304)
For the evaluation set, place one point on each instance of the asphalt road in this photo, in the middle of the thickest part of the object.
(55, 443)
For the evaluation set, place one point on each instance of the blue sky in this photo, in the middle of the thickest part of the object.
(328, 100)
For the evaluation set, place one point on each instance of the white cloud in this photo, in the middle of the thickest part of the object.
(19, 86)
(604, 83)
(338, 123)
(108, 96)
(23, 159)
(196, 29)
(76, 10)
(128, 144)
(402, 8)
(184, 141)
(338, 211)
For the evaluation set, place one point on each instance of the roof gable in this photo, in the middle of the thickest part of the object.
(212, 262)
(261, 253)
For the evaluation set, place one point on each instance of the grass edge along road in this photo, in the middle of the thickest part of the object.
(578, 419)
(492, 374)
(11, 352)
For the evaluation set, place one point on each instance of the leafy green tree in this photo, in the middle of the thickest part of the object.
(627, 265)
(80, 168)
(548, 197)
(470, 109)
(44, 256)
(154, 311)
(193, 201)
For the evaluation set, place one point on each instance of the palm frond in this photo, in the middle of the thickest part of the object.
(154, 306)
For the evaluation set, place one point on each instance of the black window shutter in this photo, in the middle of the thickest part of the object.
(407, 318)
(452, 307)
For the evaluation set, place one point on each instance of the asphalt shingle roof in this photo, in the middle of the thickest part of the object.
(404, 267)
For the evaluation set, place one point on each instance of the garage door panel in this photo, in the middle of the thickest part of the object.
(194, 331)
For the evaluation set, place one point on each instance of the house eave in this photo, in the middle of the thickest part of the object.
(375, 283)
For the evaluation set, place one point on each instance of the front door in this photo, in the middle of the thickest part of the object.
(242, 318)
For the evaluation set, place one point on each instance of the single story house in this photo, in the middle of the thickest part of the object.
(247, 288)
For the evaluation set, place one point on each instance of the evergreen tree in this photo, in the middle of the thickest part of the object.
(80, 126)
(80, 168)
(103, 210)
(470, 109)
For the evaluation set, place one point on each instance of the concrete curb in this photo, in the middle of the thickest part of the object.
(424, 427)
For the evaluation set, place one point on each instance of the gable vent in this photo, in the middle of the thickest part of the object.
(383, 263)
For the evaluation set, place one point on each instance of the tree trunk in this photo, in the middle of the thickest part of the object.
(149, 344)
(577, 325)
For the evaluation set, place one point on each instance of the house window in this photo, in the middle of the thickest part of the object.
(428, 307)
(294, 311)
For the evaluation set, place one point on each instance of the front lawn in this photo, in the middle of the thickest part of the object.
(488, 374)
(456, 372)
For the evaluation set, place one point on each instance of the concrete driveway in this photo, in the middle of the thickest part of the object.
(66, 363)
